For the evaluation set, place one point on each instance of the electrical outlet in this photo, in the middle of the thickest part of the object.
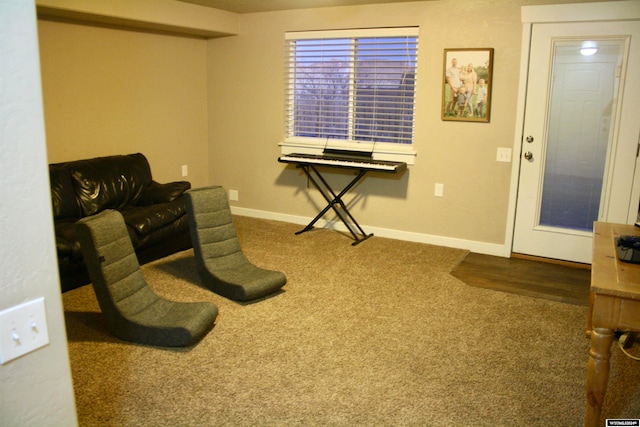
(503, 155)
(23, 329)
(439, 190)
(233, 195)
(185, 170)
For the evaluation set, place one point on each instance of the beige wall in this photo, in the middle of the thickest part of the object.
(109, 91)
(217, 106)
(246, 120)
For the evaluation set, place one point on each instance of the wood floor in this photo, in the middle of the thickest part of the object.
(562, 283)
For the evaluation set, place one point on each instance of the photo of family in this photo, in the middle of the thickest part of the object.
(466, 91)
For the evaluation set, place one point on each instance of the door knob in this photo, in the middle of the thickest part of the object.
(528, 155)
(529, 139)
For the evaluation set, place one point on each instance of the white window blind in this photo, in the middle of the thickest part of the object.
(352, 85)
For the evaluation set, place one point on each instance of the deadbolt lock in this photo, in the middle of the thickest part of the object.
(529, 139)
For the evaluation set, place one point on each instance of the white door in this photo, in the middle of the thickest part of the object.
(580, 137)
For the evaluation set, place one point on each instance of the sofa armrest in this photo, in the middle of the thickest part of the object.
(162, 193)
(147, 219)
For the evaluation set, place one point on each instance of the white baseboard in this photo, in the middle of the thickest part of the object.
(450, 242)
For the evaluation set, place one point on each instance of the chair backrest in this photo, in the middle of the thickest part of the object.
(213, 232)
(120, 287)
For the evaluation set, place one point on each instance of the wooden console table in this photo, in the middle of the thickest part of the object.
(615, 305)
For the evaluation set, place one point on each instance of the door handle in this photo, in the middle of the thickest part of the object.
(529, 156)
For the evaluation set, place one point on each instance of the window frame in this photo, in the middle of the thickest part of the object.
(401, 152)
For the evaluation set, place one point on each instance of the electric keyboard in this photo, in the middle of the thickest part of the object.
(343, 161)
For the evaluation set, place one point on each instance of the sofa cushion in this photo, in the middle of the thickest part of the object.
(109, 182)
(63, 198)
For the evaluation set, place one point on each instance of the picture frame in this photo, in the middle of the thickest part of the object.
(471, 70)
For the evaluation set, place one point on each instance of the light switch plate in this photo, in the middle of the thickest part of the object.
(23, 329)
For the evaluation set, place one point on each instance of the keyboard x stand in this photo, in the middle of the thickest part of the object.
(335, 202)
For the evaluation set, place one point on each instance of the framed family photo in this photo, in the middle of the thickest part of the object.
(467, 81)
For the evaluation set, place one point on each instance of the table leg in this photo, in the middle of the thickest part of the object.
(587, 331)
(597, 373)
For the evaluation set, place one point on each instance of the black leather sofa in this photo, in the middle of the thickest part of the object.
(155, 213)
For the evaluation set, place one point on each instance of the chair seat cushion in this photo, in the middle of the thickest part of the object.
(170, 323)
(244, 283)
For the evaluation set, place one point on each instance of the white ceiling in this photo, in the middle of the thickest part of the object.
(252, 6)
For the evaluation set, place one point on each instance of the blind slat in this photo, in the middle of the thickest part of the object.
(358, 88)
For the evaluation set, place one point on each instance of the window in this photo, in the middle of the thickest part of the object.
(352, 89)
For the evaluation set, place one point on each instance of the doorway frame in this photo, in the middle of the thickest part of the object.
(628, 10)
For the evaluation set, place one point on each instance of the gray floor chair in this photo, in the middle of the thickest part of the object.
(222, 265)
(133, 311)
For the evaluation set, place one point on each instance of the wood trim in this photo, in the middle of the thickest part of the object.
(552, 261)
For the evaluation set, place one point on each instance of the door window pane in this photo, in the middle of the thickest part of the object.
(582, 100)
